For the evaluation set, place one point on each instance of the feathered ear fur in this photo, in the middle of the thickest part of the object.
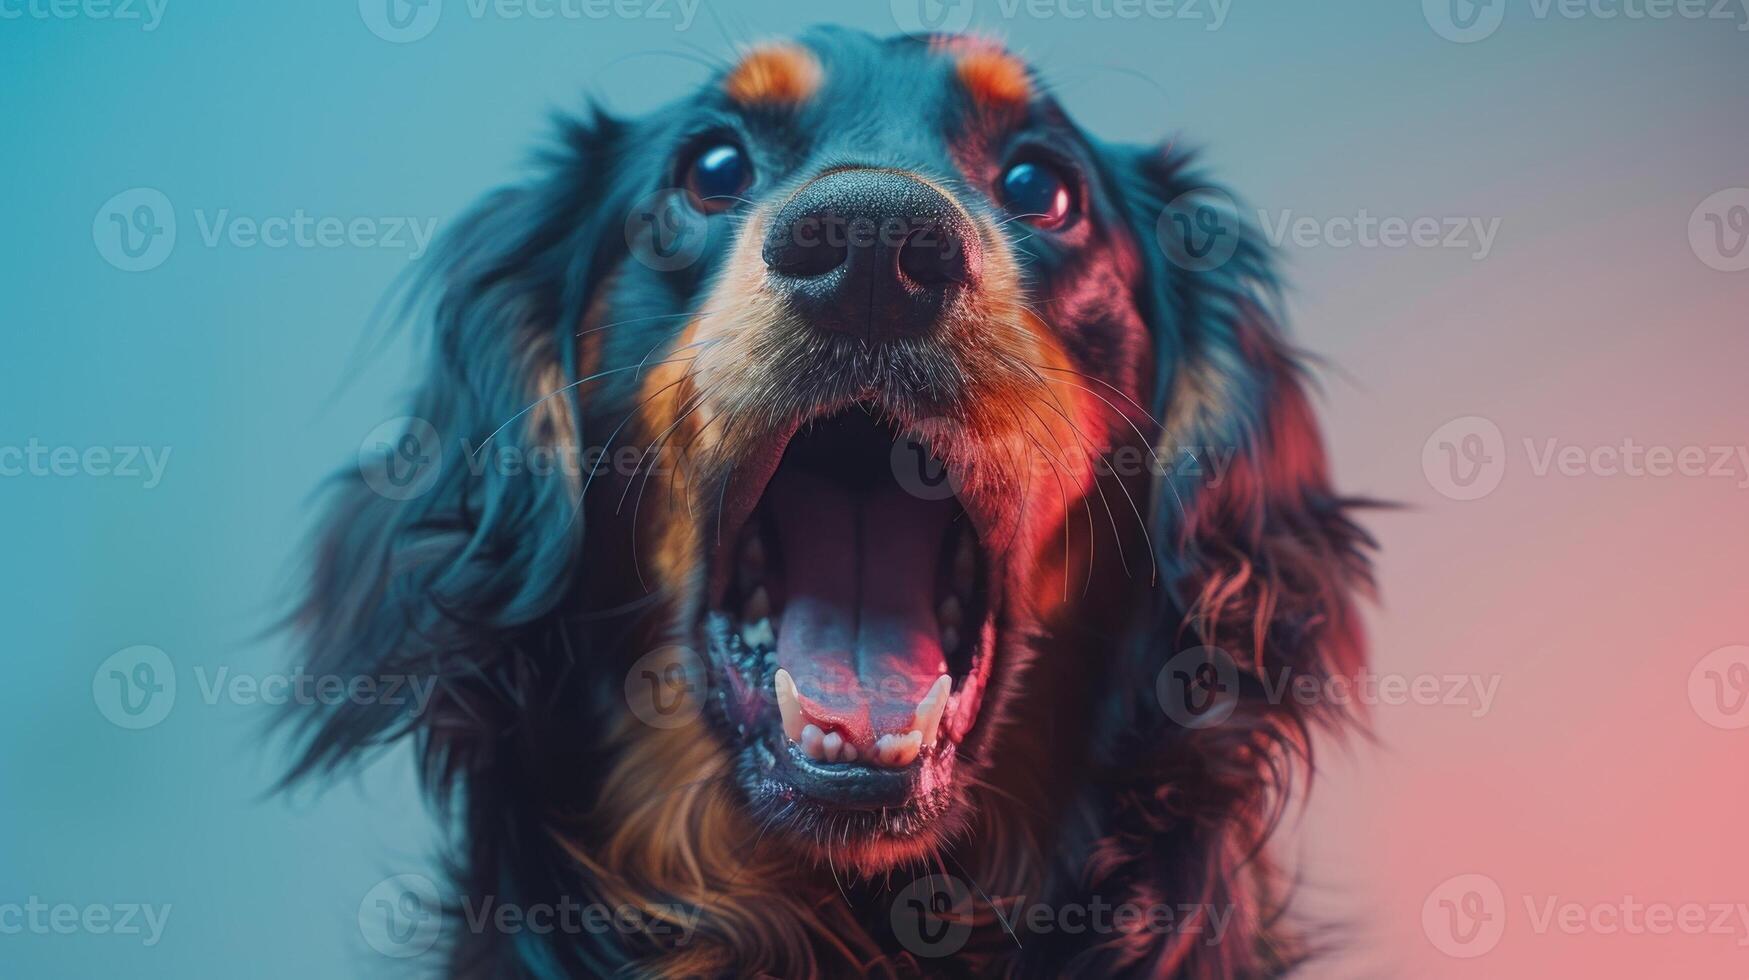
(1260, 565)
(459, 585)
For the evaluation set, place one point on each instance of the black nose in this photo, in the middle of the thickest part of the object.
(871, 253)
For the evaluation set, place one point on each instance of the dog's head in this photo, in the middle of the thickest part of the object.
(915, 429)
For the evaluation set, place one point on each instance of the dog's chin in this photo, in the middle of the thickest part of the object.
(852, 630)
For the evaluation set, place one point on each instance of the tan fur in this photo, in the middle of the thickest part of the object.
(776, 74)
(994, 78)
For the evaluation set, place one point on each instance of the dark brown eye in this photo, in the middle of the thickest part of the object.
(1037, 194)
(717, 176)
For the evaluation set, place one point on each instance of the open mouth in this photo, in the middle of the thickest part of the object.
(852, 623)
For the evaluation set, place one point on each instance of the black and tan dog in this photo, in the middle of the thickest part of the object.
(941, 456)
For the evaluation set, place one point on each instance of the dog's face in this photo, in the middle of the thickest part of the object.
(914, 332)
(953, 454)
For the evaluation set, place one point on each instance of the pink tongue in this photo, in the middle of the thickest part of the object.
(858, 631)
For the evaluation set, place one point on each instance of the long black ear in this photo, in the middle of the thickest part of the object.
(434, 564)
(1260, 565)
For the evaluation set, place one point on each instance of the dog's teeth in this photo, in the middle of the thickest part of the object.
(927, 720)
(965, 565)
(789, 705)
(758, 635)
(813, 742)
(909, 745)
(757, 606)
(833, 744)
(950, 639)
(885, 749)
(949, 612)
(898, 750)
(849, 752)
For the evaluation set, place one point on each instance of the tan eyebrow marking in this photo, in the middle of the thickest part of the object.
(779, 73)
(994, 77)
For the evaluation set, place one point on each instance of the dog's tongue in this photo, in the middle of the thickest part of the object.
(858, 632)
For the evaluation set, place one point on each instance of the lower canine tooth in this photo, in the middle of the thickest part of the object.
(789, 705)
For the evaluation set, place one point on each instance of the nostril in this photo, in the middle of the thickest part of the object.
(805, 248)
(932, 257)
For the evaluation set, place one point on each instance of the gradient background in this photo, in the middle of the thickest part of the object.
(1594, 777)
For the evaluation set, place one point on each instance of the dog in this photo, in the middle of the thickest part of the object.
(946, 503)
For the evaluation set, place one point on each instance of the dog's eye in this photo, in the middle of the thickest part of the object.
(718, 175)
(1037, 194)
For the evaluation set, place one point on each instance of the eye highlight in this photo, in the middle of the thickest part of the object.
(1037, 193)
(717, 175)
